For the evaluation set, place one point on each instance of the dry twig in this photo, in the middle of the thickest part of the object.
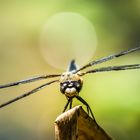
(75, 124)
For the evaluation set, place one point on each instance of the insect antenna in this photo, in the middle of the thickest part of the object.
(113, 68)
(27, 93)
(107, 58)
(29, 80)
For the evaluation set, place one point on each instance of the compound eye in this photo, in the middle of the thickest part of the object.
(77, 85)
(65, 84)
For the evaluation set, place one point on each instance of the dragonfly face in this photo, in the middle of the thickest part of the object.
(71, 84)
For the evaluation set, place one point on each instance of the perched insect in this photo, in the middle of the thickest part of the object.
(71, 81)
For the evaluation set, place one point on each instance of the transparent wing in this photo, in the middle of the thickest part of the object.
(27, 93)
(113, 68)
(29, 80)
(107, 58)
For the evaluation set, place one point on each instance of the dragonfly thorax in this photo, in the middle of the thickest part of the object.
(70, 84)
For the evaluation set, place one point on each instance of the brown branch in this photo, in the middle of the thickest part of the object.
(75, 124)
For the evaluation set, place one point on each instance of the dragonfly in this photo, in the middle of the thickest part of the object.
(71, 81)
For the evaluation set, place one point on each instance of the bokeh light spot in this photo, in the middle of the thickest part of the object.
(67, 36)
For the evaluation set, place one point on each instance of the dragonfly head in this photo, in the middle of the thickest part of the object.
(70, 84)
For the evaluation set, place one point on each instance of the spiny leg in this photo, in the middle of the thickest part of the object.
(71, 103)
(27, 94)
(107, 58)
(113, 68)
(86, 104)
(88, 110)
(29, 80)
(68, 102)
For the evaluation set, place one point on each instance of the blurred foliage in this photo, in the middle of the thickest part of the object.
(114, 97)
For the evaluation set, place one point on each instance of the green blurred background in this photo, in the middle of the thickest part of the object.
(113, 96)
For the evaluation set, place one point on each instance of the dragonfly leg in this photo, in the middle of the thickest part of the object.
(88, 107)
(68, 102)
